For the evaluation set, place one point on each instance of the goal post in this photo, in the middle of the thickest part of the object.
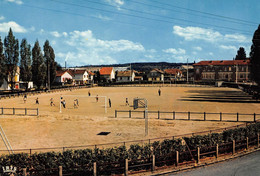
(83, 96)
(142, 103)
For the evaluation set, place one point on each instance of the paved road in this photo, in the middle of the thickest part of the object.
(248, 165)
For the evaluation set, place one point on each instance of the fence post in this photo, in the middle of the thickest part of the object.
(254, 117)
(25, 111)
(237, 117)
(94, 169)
(217, 151)
(204, 116)
(115, 113)
(37, 111)
(24, 172)
(144, 114)
(153, 164)
(188, 115)
(257, 140)
(129, 113)
(158, 114)
(173, 113)
(2, 110)
(246, 143)
(126, 167)
(198, 150)
(220, 116)
(13, 111)
(234, 147)
(60, 170)
(177, 158)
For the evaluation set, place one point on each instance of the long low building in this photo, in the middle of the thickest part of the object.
(224, 70)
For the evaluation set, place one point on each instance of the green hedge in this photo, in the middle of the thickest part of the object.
(81, 161)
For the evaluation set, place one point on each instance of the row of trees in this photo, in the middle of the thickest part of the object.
(255, 56)
(34, 65)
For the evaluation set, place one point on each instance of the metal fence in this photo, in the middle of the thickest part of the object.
(195, 116)
(153, 161)
(127, 144)
(21, 94)
(156, 84)
(20, 111)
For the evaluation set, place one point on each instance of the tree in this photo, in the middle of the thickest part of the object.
(26, 62)
(255, 57)
(241, 54)
(49, 59)
(38, 66)
(11, 57)
(2, 63)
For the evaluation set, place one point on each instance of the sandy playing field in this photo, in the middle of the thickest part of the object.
(80, 126)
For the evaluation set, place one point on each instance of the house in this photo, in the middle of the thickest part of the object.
(139, 76)
(63, 76)
(90, 77)
(173, 74)
(125, 76)
(222, 70)
(80, 76)
(16, 79)
(107, 74)
(156, 75)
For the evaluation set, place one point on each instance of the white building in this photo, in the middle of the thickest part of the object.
(63, 76)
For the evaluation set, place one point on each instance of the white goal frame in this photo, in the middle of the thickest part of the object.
(85, 96)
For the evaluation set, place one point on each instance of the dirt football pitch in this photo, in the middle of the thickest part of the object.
(80, 126)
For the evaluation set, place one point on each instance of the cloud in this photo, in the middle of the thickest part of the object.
(104, 18)
(2, 17)
(19, 2)
(174, 51)
(65, 34)
(86, 39)
(196, 33)
(41, 31)
(117, 3)
(57, 34)
(82, 48)
(228, 47)
(4, 27)
(236, 37)
(197, 48)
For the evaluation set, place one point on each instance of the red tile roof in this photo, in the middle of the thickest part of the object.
(78, 72)
(224, 62)
(173, 71)
(124, 73)
(106, 70)
(158, 70)
(91, 73)
(60, 72)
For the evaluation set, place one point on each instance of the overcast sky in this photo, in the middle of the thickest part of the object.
(121, 31)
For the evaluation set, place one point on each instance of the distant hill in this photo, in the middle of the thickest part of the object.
(143, 66)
